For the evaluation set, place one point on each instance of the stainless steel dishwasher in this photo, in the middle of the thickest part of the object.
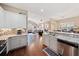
(67, 48)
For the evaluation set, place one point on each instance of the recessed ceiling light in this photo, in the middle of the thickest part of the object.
(42, 10)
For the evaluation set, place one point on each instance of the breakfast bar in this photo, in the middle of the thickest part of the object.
(70, 39)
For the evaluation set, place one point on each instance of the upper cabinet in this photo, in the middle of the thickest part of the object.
(2, 18)
(21, 20)
(11, 19)
(15, 20)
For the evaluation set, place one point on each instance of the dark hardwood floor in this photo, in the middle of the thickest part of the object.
(34, 49)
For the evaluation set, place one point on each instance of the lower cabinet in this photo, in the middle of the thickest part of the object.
(53, 43)
(16, 42)
(67, 50)
(46, 40)
(22, 41)
(50, 41)
(61, 48)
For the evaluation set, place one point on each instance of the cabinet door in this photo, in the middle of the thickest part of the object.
(15, 20)
(53, 43)
(11, 19)
(14, 42)
(23, 40)
(21, 21)
(2, 20)
(46, 40)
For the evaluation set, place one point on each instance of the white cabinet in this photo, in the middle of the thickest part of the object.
(50, 41)
(15, 20)
(12, 43)
(22, 41)
(53, 43)
(21, 21)
(16, 42)
(11, 19)
(46, 39)
(2, 18)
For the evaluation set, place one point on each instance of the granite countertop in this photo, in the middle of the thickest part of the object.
(69, 40)
(5, 37)
(69, 33)
(68, 37)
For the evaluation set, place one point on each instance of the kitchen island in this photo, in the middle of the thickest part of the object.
(69, 42)
(14, 41)
(63, 43)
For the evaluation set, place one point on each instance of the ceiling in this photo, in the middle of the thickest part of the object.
(50, 10)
